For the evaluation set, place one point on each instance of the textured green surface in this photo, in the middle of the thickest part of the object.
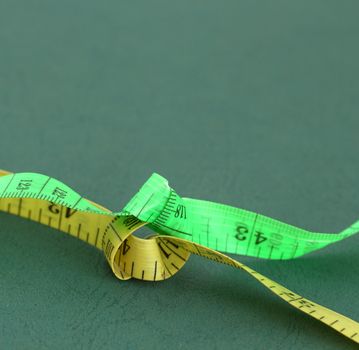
(252, 104)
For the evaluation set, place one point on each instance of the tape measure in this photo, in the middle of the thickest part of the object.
(182, 226)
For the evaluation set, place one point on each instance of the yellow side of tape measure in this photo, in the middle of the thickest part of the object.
(155, 258)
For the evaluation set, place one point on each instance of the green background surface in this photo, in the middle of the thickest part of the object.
(248, 103)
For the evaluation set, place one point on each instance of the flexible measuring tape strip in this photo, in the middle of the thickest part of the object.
(184, 225)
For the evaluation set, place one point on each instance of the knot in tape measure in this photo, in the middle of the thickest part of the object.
(157, 257)
(182, 226)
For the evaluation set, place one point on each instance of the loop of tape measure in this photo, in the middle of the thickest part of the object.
(183, 226)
